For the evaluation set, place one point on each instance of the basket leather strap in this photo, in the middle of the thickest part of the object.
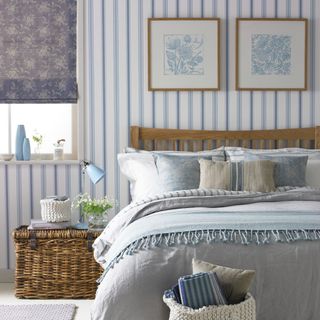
(33, 240)
(90, 239)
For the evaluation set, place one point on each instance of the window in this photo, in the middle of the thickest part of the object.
(52, 121)
(43, 98)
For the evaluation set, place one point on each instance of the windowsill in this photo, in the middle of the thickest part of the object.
(47, 162)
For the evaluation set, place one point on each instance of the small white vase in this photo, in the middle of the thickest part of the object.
(58, 153)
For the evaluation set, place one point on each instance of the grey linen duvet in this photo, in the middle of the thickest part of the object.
(153, 243)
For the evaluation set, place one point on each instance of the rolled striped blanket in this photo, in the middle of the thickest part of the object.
(201, 289)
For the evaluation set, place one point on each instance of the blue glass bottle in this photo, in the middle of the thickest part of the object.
(26, 149)
(20, 135)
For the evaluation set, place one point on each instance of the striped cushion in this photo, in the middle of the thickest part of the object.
(201, 289)
(252, 175)
(290, 169)
(236, 175)
(256, 175)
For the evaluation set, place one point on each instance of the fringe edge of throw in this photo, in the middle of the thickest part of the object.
(244, 237)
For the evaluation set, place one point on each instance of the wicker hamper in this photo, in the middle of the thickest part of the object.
(53, 264)
(245, 310)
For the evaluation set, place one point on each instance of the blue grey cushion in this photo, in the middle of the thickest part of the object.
(288, 171)
(180, 172)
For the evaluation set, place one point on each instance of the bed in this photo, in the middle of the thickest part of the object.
(151, 242)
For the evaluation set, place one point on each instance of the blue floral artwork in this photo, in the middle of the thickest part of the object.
(183, 54)
(270, 54)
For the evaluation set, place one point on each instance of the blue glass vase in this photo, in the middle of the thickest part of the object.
(20, 135)
(26, 149)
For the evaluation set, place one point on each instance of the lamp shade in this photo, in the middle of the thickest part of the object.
(95, 173)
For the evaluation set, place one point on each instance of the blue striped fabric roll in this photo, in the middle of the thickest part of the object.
(176, 293)
(169, 294)
(201, 289)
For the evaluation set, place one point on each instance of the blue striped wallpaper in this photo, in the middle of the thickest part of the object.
(21, 188)
(117, 40)
(116, 97)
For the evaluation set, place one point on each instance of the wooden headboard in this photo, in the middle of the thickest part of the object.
(196, 140)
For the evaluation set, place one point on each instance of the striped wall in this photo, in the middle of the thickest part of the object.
(116, 97)
(117, 73)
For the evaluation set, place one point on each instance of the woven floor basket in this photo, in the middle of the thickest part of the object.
(245, 310)
(55, 264)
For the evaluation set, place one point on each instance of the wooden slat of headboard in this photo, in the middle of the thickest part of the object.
(277, 137)
(135, 139)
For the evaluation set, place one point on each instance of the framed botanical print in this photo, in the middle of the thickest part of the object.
(271, 54)
(183, 54)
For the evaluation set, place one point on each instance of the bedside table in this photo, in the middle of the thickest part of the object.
(53, 264)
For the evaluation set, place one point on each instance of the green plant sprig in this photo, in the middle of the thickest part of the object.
(97, 207)
(37, 138)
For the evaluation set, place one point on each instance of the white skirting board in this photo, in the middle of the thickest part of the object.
(6, 276)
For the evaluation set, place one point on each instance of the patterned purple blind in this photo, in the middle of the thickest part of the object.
(38, 44)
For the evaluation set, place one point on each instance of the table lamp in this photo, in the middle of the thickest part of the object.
(95, 173)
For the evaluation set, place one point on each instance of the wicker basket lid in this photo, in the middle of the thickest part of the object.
(23, 233)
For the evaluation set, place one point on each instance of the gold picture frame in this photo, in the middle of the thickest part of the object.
(285, 73)
(186, 60)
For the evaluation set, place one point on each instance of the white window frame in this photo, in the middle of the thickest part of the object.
(77, 118)
(48, 156)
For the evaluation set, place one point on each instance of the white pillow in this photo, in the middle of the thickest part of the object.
(213, 152)
(313, 173)
(238, 152)
(140, 169)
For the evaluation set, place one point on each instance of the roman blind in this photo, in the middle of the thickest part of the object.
(38, 51)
